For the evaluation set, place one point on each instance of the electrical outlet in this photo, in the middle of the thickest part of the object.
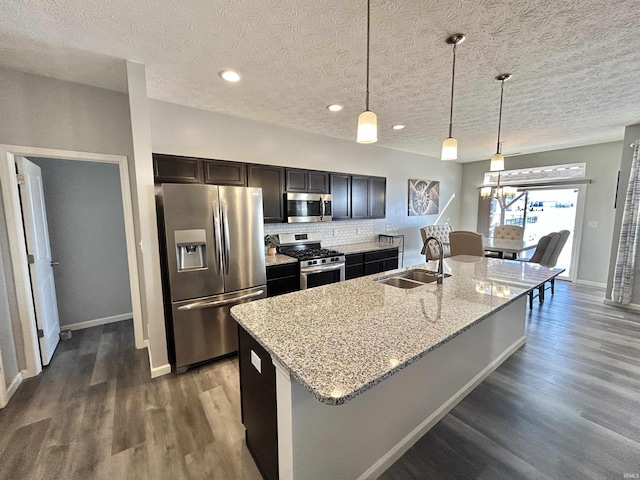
(593, 224)
(335, 232)
(359, 231)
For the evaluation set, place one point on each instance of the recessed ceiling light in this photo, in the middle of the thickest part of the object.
(398, 126)
(334, 107)
(230, 76)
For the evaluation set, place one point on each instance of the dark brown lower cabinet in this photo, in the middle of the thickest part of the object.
(354, 265)
(368, 263)
(380, 261)
(258, 404)
(282, 279)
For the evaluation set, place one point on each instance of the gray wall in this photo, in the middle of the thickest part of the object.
(187, 131)
(631, 134)
(603, 161)
(44, 112)
(86, 233)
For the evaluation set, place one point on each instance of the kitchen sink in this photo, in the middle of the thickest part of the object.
(423, 276)
(400, 282)
(411, 278)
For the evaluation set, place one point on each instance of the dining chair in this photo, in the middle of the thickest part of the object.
(466, 243)
(441, 232)
(547, 253)
(509, 232)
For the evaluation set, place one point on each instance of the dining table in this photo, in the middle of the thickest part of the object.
(502, 246)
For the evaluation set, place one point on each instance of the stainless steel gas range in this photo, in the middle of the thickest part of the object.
(318, 266)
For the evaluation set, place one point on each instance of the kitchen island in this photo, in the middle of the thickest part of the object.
(364, 369)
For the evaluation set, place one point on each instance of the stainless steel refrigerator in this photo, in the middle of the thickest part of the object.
(212, 242)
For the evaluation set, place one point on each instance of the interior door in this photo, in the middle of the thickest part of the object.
(40, 267)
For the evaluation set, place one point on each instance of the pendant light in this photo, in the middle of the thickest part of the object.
(497, 161)
(367, 121)
(450, 144)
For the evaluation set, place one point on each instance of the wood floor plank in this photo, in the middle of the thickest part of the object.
(23, 447)
(566, 405)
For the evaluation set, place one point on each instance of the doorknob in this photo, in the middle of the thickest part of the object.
(55, 264)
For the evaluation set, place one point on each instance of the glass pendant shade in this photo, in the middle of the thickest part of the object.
(367, 127)
(449, 149)
(497, 163)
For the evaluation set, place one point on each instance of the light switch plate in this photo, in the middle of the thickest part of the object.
(256, 361)
(593, 224)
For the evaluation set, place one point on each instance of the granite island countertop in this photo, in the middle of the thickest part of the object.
(339, 340)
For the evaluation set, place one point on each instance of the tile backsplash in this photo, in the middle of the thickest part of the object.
(333, 233)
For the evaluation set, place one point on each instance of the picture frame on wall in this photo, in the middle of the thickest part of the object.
(424, 197)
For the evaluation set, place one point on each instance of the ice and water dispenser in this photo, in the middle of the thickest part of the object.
(191, 246)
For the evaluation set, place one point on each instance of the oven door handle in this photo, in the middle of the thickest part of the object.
(334, 266)
(321, 208)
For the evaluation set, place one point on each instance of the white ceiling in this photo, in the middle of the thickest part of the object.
(575, 63)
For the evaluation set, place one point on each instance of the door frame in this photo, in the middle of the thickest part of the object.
(578, 224)
(18, 247)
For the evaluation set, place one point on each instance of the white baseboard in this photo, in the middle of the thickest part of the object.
(156, 371)
(628, 306)
(589, 283)
(407, 442)
(97, 321)
(5, 395)
(14, 386)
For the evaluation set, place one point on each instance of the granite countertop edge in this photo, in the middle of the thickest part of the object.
(354, 393)
(347, 396)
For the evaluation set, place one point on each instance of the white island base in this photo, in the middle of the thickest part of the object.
(363, 437)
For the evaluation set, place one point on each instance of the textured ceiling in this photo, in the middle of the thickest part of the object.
(576, 63)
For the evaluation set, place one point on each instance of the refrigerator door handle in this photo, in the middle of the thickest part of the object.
(216, 233)
(218, 303)
(225, 237)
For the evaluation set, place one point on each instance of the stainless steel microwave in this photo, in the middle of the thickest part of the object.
(308, 207)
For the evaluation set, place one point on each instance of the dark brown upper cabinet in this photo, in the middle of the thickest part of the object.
(220, 172)
(360, 196)
(377, 197)
(306, 181)
(341, 195)
(271, 180)
(175, 169)
(296, 180)
(318, 182)
(368, 197)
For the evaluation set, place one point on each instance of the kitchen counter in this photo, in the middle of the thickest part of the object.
(362, 247)
(356, 372)
(279, 259)
(341, 339)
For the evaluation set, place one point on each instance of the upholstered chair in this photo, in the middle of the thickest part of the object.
(441, 232)
(509, 232)
(547, 252)
(466, 243)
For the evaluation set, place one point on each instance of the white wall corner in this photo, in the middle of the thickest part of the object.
(149, 248)
(3, 388)
(159, 370)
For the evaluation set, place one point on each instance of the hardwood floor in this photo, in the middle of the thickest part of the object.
(94, 413)
(566, 405)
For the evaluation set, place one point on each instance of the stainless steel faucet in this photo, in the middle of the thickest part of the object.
(440, 275)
